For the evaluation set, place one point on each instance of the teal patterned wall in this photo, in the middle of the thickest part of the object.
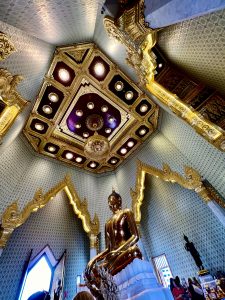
(168, 212)
(55, 225)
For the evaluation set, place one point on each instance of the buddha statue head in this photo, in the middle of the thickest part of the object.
(114, 201)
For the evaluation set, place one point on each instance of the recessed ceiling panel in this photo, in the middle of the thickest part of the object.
(86, 95)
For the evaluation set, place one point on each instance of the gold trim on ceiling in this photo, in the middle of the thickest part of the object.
(13, 218)
(131, 30)
(191, 180)
(79, 58)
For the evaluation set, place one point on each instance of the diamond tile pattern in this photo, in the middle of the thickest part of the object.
(197, 46)
(54, 21)
(55, 225)
(168, 212)
(31, 60)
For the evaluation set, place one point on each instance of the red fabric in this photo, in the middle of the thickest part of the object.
(178, 292)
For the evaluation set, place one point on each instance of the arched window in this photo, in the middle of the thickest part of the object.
(43, 273)
(38, 278)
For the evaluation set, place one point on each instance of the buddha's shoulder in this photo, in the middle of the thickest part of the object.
(125, 211)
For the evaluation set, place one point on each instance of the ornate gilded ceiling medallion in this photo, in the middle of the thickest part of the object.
(94, 122)
(88, 113)
(97, 147)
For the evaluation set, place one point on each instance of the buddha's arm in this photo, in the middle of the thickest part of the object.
(101, 255)
(133, 231)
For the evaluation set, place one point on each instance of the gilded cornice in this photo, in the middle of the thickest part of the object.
(13, 101)
(191, 180)
(13, 217)
(6, 46)
(131, 30)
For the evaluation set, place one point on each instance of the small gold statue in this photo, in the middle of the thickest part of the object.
(121, 236)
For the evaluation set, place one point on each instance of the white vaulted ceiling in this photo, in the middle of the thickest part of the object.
(54, 21)
(198, 47)
(36, 27)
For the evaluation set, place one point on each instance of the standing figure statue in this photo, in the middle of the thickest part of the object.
(121, 236)
(190, 247)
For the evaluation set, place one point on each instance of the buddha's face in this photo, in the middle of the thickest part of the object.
(115, 204)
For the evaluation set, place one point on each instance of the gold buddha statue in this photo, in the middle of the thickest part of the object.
(121, 236)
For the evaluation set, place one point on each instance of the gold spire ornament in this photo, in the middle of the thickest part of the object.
(6, 46)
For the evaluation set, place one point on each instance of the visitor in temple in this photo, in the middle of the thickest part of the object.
(178, 291)
(83, 296)
(195, 291)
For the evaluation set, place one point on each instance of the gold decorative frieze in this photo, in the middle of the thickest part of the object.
(6, 46)
(191, 180)
(130, 29)
(12, 102)
(13, 217)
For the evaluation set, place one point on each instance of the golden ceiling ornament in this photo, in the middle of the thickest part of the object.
(97, 147)
(191, 180)
(12, 101)
(94, 122)
(6, 46)
(12, 217)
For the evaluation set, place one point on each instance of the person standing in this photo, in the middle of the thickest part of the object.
(195, 291)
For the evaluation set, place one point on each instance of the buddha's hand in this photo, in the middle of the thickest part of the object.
(113, 254)
(89, 268)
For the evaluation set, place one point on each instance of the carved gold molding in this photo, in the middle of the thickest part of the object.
(13, 218)
(211, 132)
(11, 99)
(131, 30)
(191, 180)
(6, 46)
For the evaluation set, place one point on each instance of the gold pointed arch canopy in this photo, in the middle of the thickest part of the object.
(13, 218)
(191, 180)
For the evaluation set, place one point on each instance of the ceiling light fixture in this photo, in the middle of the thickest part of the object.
(123, 151)
(99, 69)
(90, 105)
(130, 144)
(108, 130)
(93, 165)
(113, 161)
(129, 95)
(104, 108)
(111, 119)
(144, 108)
(78, 125)
(64, 75)
(69, 155)
(51, 148)
(47, 109)
(85, 134)
(119, 86)
(53, 97)
(160, 65)
(39, 126)
(78, 159)
(142, 131)
(79, 113)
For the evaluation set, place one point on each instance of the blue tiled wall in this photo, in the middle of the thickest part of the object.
(55, 225)
(168, 212)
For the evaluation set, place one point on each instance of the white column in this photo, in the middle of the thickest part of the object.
(93, 245)
(218, 211)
